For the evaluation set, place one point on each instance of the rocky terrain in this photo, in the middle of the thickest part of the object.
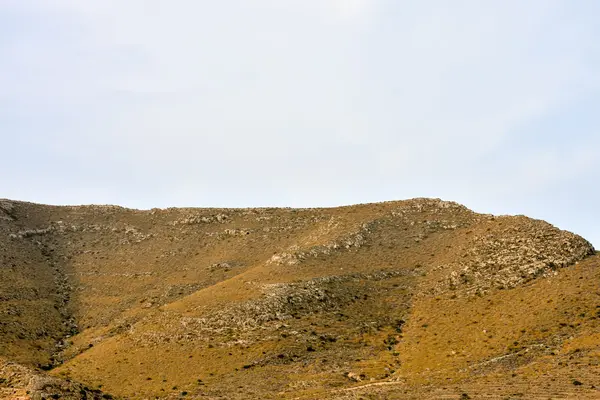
(419, 299)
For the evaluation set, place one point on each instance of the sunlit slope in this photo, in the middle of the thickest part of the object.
(540, 340)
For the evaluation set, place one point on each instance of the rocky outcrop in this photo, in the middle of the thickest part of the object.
(20, 383)
(6, 210)
(296, 255)
(278, 303)
(506, 258)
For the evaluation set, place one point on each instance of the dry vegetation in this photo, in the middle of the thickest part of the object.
(411, 299)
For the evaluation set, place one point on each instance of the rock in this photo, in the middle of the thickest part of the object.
(353, 377)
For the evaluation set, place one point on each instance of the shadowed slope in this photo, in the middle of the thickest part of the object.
(34, 309)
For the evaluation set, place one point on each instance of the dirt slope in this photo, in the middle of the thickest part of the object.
(412, 299)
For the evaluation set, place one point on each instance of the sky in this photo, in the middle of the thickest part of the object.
(145, 103)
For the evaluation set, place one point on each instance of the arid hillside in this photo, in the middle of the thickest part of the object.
(416, 299)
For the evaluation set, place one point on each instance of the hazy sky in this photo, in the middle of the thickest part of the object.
(147, 103)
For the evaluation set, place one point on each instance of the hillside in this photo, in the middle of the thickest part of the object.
(420, 299)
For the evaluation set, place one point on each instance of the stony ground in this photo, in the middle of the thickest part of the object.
(411, 299)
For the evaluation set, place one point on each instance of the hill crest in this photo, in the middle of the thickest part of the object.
(278, 303)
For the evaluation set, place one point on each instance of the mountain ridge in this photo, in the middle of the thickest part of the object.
(276, 303)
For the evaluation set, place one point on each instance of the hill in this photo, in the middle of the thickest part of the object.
(410, 299)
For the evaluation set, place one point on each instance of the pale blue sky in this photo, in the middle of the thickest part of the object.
(146, 103)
